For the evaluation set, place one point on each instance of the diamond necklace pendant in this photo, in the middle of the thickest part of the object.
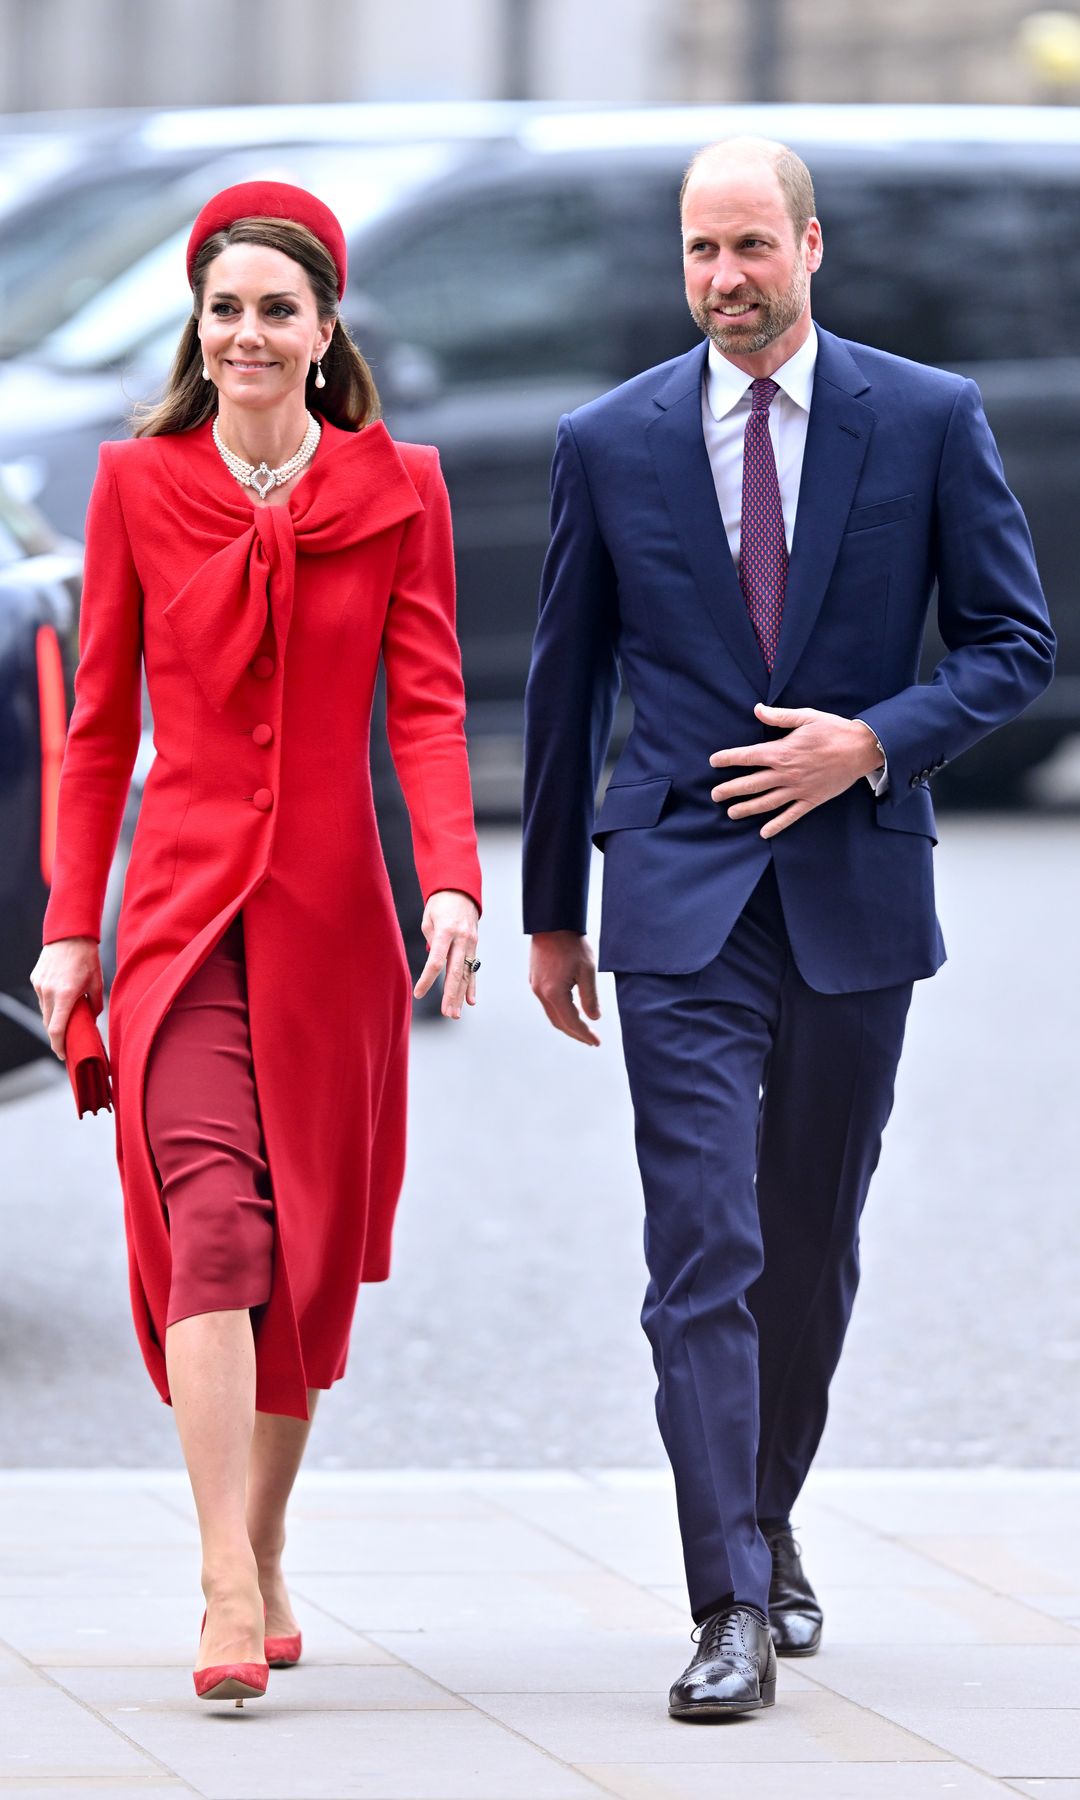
(263, 478)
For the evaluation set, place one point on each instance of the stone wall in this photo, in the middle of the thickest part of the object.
(89, 53)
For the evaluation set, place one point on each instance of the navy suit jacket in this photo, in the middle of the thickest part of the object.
(902, 490)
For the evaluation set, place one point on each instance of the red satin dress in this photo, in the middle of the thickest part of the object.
(256, 866)
(202, 1119)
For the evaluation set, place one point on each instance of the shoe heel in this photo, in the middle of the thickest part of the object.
(768, 1692)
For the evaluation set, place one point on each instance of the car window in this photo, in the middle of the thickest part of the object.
(498, 284)
(54, 225)
(952, 269)
(150, 297)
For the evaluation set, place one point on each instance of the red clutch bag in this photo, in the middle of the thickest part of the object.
(87, 1060)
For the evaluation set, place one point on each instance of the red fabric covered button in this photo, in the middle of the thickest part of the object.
(263, 735)
(263, 667)
(262, 799)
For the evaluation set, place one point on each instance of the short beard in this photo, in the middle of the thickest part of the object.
(773, 319)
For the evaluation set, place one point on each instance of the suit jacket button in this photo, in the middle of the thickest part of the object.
(262, 668)
(262, 799)
(263, 735)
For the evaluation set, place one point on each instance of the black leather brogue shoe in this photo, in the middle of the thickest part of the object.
(795, 1616)
(734, 1670)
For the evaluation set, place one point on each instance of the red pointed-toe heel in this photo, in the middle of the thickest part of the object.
(238, 1681)
(284, 1652)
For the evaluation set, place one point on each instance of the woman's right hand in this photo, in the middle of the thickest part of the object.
(64, 971)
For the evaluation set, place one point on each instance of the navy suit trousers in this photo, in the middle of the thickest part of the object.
(759, 1106)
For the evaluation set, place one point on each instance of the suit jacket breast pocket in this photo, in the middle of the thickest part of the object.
(630, 804)
(883, 512)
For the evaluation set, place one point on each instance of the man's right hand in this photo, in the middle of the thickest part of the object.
(65, 970)
(560, 962)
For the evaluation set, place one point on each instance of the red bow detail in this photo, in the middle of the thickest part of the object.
(356, 487)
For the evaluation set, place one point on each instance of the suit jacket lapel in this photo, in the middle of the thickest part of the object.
(837, 439)
(677, 442)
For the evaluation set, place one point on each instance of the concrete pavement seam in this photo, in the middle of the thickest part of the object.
(45, 1674)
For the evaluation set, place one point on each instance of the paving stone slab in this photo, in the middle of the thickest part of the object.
(275, 1752)
(511, 1602)
(633, 1532)
(965, 1614)
(844, 1553)
(797, 1781)
(908, 1502)
(76, 1787)
(1058, 1606)
(46, 1734)
(314, 1500)
(1006, 1741)
(417, 1546)
(1009, 1562)
(1040, 1789)
(129, 1631)
(968, 1677)
(74, 1569)
(15, 1672)
(801, 1727)
(513, 1638)
(44, 1512)
(584, 1660)
(308, 1687)
(633, 1527)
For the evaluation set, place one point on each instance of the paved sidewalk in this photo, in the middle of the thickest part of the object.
(512, 1637)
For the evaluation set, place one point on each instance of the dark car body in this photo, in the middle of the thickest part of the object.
(40, 582)
(543, 266)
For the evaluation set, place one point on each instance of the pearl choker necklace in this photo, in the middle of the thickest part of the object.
(262, 479)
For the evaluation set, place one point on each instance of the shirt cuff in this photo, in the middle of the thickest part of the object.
(878, 778)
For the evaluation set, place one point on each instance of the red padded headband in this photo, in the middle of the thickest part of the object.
(270, 200)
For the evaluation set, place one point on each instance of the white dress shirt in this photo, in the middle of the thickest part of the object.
(725, 408)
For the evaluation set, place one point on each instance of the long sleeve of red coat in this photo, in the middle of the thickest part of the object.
(425, 698)
(103, 737)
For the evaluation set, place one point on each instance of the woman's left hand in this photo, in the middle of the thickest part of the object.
(449, 928)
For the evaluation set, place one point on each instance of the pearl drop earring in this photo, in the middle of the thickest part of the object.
(320, 378)
(205, 373)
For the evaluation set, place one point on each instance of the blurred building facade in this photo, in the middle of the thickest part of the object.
(76, 53)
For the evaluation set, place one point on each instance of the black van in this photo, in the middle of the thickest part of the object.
(541, 265)
(40, 583)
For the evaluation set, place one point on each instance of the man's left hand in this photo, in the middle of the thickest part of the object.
(822, 755)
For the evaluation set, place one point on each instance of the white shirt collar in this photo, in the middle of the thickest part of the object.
(725, 385)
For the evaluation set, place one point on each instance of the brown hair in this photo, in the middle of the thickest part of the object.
(796, 182)
(349, 399)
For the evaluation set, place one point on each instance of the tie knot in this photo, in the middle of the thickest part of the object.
(761, 393)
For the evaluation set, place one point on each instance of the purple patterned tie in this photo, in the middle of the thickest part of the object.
(763, 558)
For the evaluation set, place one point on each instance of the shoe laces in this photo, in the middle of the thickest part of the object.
(721, 1634)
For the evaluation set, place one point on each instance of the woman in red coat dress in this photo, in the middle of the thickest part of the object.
(259, 545)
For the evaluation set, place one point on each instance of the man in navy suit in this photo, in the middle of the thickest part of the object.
(749, 536)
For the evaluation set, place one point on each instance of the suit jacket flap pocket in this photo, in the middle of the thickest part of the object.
(861, 518)
(627, 804)
(914, 813)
